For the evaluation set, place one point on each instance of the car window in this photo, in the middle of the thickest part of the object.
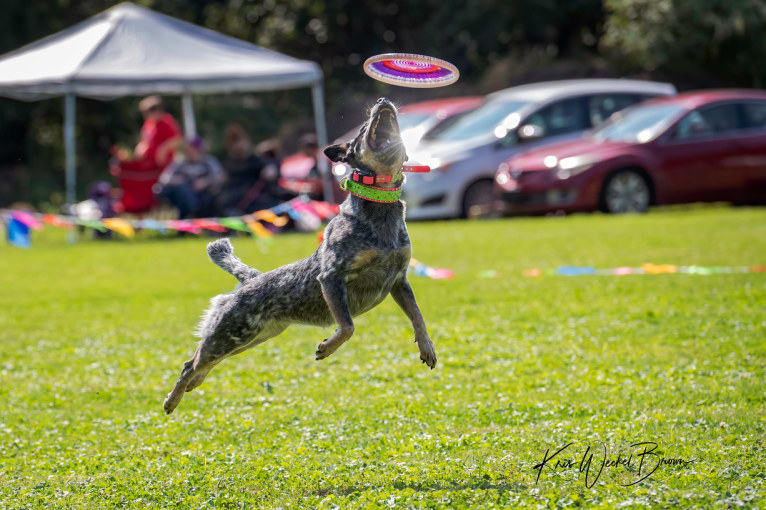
(709, 121)
(640, 123)
(755, 115)
(481, 121)
(407, 120)
(561, 117)
(602, 106)
(442, 126)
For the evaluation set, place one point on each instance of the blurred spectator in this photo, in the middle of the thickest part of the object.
(192, 183)
(299, 173)
(269, 151)
(160, 135)
(310, 148)
(249, 179)
(100, 194)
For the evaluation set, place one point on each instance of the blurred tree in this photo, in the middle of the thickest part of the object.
(696, 43)
(494, 43)
(339, 34)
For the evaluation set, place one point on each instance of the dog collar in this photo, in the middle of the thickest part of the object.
(371, 193)
(358, 176)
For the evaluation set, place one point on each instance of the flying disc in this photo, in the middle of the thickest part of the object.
(410, 70)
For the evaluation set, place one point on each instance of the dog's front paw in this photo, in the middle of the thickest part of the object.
(427, 352)
(170, 403)
(323, 350)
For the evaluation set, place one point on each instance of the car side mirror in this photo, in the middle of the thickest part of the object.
(530, 132)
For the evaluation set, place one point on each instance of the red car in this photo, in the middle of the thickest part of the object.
(697, 146)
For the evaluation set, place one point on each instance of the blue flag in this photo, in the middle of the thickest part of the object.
(18, 233)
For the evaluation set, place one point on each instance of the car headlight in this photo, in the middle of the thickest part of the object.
(573, 165)
(504, 178)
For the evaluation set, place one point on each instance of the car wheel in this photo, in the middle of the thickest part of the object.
(626, 191)
(477, 200)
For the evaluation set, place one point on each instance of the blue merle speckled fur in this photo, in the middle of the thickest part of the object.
(363, 258)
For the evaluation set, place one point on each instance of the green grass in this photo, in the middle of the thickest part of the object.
(93, 336)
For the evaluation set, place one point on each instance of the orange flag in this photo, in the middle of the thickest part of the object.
(267, 215)
(259, 229)
(56, 221)
(120, 226)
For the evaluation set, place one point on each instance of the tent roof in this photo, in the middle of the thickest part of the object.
(131, 50)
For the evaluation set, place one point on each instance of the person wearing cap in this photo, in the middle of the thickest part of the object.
(192, 183)
(160, 135)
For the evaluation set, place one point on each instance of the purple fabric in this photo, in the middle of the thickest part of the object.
(435, 75)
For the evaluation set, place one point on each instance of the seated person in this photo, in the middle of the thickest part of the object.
(269, 151)
(310, 149)
(299, 173)
(192, 183)
(248, 177)
(160, 135)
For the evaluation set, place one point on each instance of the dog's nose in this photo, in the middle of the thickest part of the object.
(382, 100)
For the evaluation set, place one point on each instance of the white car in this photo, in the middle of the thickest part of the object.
(466, 154)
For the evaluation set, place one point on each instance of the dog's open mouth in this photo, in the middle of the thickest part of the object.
(384, 130)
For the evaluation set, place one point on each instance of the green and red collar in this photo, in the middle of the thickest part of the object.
(360, 184)
(365, 178)
(371, 193)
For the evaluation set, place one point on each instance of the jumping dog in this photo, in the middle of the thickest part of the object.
(363, 257)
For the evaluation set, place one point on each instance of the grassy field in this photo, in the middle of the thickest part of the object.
(93, 335)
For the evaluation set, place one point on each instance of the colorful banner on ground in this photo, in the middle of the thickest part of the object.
(435, 273)
(263, 224)
(647, 268)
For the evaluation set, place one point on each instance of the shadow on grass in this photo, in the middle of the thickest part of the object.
(425, 487)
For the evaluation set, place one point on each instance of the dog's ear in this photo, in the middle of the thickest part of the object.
(337, 153)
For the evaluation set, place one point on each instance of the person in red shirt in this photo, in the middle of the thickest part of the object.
(160, 135)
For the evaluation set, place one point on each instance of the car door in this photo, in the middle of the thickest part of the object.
(557, 121)
(696, 155)
(752, 153)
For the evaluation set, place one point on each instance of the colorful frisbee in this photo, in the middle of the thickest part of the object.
(410, 70)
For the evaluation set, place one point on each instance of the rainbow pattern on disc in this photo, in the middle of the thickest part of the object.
(410, 70)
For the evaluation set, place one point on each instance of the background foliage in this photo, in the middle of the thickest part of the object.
(495, 44)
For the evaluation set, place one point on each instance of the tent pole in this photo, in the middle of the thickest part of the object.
(317, 98)
(187, 106)
(69, 147)
(70, 161)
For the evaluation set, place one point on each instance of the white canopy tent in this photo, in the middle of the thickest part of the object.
(131, 50)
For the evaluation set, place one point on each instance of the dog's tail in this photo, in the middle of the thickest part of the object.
(221, 253)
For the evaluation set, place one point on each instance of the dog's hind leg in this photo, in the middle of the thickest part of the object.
(335, 295)
(199, 377)
(213, 349)
(268, 331)
(201, 363)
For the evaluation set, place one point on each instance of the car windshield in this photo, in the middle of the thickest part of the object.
(481, 121)
(407, 120)
(638, 124)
